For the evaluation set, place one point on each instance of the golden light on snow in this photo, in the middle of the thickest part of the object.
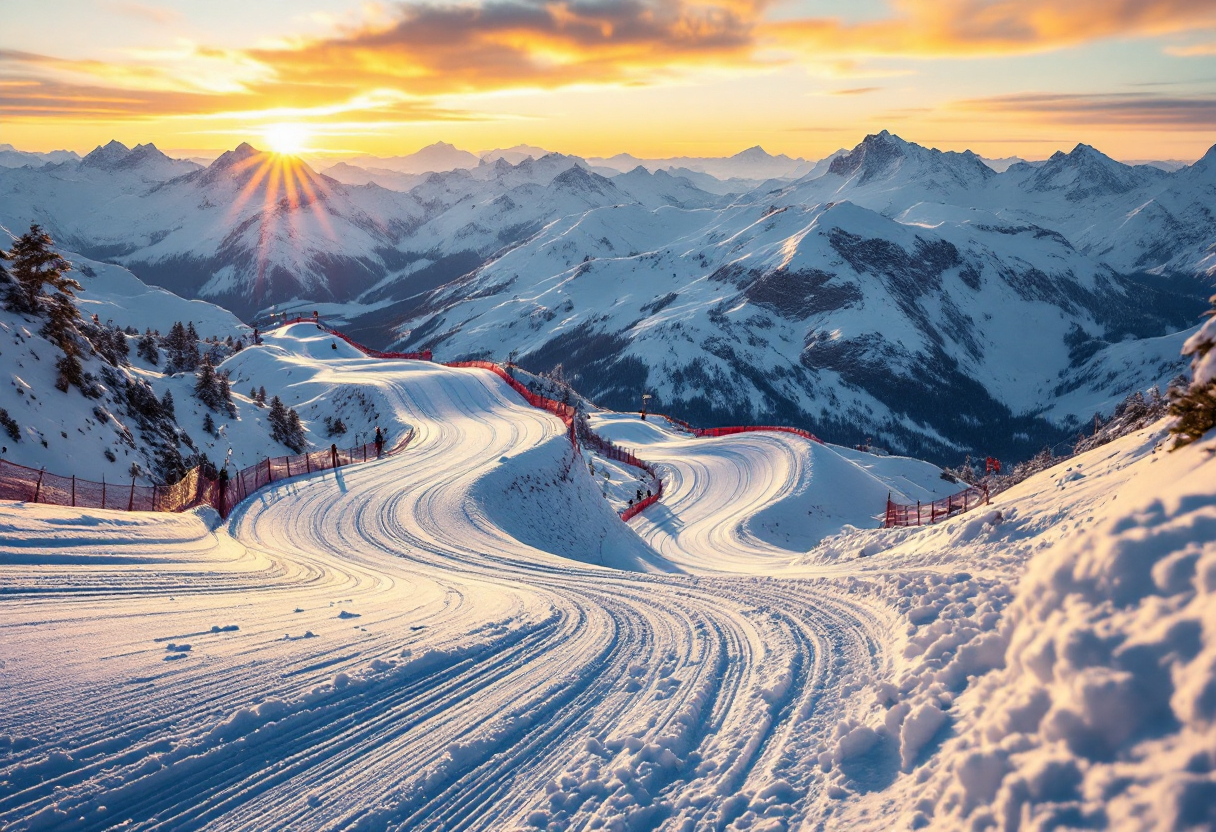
(286, 139)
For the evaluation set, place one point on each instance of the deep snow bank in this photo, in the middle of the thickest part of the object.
(1059, 667)
(1105, 713)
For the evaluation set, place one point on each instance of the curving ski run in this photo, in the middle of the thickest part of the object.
(369, 649)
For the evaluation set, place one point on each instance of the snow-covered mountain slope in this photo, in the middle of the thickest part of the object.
(430, 641)
(255, 229)
(927, 269)
(835, 317)
(104, 434)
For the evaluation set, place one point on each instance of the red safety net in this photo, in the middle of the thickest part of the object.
(196, 488)
(561, 410)
(424, 355)
(923, 514)
(712, 432)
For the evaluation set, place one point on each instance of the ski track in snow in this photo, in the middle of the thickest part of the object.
(365, 649)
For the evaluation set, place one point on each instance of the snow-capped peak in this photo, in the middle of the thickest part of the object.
(876, 154)
(105, 156)
(1086, 172)
(243, 151)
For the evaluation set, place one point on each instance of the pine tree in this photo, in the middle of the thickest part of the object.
(7, 283)
(285, 426)
(261, 396)
(146, 349)
(295, 432)
(166, 404)
(277, 418)
(1194, 405)
(62, 323)
(35, 264)
(225, 393)
(181, 349)
(208, 423)
(10, 425)
(70, 372)
(207, 387)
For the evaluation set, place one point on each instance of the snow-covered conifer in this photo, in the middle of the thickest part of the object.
(1194, 405)
(35, 264)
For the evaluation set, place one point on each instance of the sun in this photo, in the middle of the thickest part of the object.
(286, 139)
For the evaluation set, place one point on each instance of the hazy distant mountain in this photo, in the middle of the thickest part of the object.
(385, 178)
(752, 164)
(513, 155)
(11, 157)
(1003, 164)
(438, 157)
(1167, 165)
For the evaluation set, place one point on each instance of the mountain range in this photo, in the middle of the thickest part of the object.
(892, 291)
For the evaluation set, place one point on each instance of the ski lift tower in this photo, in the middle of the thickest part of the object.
(645, 398)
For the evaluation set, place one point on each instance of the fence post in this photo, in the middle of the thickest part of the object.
(38, 487)
(918, 512)
(73, 491)
(333, 454)
(308, 462)
(269, 472)
(103, 490)
(155, 496)
(289, 467)
(131, 500)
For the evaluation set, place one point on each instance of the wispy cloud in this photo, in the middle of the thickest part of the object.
(938, 28)
(856, 91)
(1197, 50)
(1129, 111)
(142, 11)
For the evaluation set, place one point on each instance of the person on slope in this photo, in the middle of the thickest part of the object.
(379, 440)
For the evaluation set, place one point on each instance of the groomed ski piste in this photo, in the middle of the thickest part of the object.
(466, 636)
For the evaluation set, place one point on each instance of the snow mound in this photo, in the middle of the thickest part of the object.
(545, 498)
(1105, 714)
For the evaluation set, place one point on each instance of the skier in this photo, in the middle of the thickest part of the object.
(379, 440)
(333, 345)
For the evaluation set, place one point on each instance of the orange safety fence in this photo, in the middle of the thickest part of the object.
(924, 514)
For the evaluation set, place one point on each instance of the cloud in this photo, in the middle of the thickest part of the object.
(1131, 111)
(1198, 50)
(152, 14)
(437, 49)
(402, 62)
(971, 28)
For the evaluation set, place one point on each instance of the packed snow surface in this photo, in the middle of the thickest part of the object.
(466, 636)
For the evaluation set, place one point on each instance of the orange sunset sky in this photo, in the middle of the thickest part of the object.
(1136, 78)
